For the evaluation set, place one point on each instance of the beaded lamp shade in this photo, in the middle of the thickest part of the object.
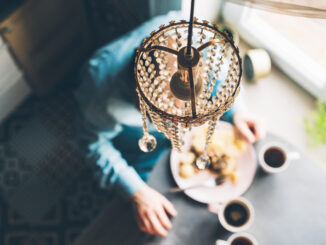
(184, 82)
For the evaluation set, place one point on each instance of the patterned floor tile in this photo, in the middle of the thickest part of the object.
(47, 191)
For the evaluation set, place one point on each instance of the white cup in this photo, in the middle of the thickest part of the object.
(220, 208)
(285, 158)
(251, 240)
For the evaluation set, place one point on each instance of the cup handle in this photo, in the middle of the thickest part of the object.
(293, 155)
(221, 242)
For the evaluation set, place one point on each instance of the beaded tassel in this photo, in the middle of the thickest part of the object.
(148, 142)
(203, 161)
(158, 58)
(143, 114)
(157, 121)
(175, 136)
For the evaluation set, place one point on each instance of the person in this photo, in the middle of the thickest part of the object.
(110, 126)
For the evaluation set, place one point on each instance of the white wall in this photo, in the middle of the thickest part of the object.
(204, 9)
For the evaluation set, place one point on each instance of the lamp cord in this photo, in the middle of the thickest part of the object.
(188, 53)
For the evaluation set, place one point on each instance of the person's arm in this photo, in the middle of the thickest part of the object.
(247, 126)
(100, 78)
(150, 207)
(115, 171)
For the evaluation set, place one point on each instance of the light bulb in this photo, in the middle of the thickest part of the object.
(180, 85)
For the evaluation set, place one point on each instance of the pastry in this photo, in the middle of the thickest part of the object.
(186, 171)
(240, 144)
(188, 158)
(223, 152)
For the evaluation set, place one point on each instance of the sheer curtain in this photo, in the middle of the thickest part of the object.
(305, 8)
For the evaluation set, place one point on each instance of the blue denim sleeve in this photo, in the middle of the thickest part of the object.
(98, 78)
(115, 171)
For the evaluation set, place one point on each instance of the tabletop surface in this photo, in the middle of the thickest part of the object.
(290, 208)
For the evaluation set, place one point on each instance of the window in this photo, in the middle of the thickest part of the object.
(296, 44)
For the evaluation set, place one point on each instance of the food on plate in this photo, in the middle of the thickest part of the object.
(230, 167)
(223, 152)
(188, 158)
(234, 176)
(240, 144)
(187, 171)
(198, 143)
(187, 167)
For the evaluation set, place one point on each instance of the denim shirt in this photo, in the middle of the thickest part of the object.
(110, 123)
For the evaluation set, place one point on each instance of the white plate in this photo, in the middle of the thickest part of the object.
(246, 167)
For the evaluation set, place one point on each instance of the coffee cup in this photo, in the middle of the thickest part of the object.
(274, 157)
(239, 239)
(235, 215)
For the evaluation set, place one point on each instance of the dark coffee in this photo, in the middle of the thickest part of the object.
(241, 241)
(236, 214)
(274, 157)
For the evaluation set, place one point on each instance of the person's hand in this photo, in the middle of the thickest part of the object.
(249, 127)
(151, 209)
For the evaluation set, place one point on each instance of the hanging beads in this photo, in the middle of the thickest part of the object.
(155, 65)
(203, 161)
(157, 121)
(175, 133)
(148, 142)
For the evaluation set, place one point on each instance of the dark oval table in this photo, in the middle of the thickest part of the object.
(290, 208)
